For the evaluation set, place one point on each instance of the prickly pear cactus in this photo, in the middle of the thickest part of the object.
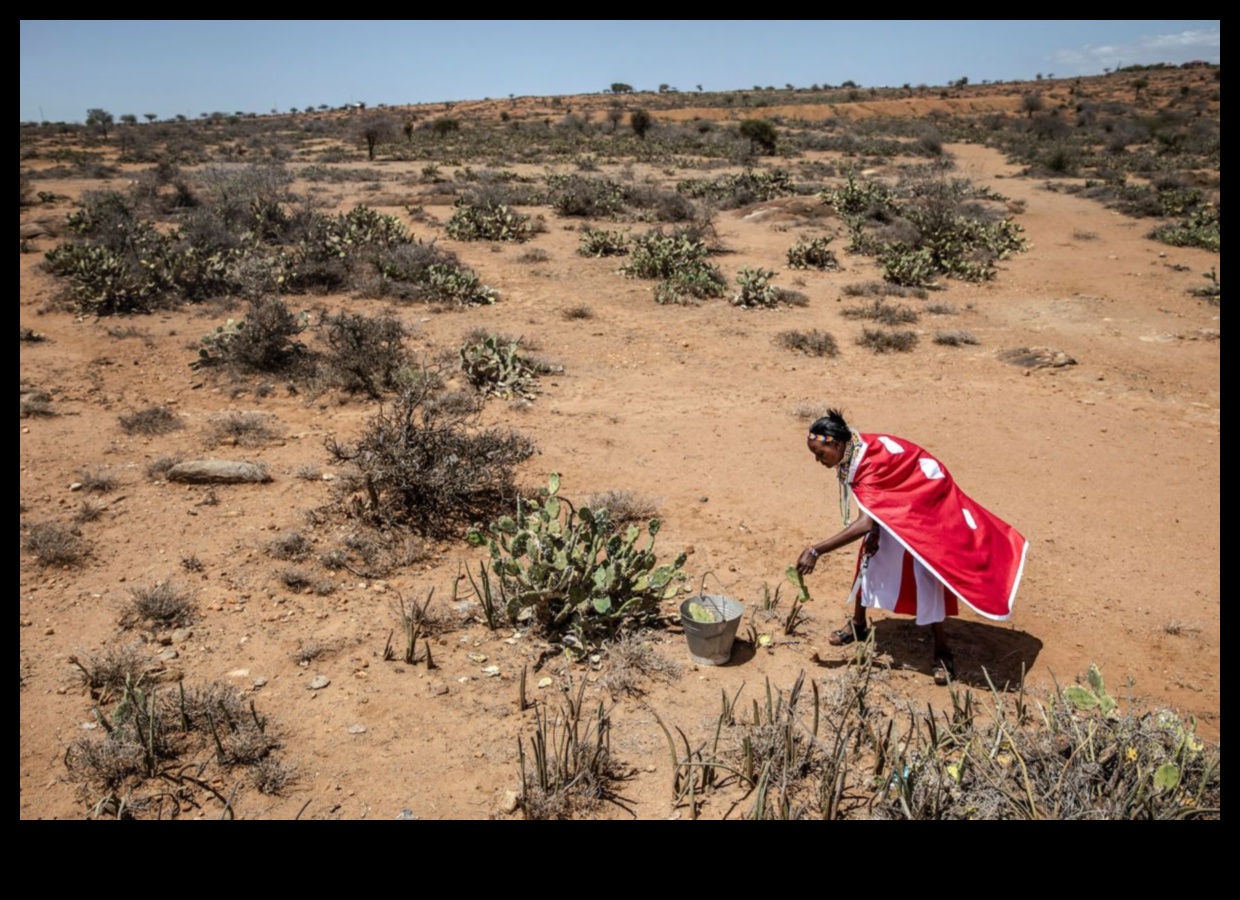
(1093, 697)
(572, 570)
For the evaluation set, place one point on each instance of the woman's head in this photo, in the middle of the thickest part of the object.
(827, 437)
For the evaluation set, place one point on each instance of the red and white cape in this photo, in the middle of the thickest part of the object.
(936, 543)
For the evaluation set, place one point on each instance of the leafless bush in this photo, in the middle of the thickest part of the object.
(432, 468)
(940, 309)
(290, 545)
(272, 776)
(534, 255)
(626, 507)
(150, 421)
(53, 544)
(163, 603)
(242, 429)
(365, 353)
(885, 341)
(579, 311)
(106, 673)
(35, 404)
(882, 289)
(813, 342)
(879, 310)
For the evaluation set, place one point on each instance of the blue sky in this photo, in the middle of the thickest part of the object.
(192, 67)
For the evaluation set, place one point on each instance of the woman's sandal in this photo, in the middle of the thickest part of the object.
(944, 669)
(849, 633)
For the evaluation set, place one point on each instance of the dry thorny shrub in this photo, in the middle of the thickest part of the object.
(242, 429)
(151, 421)
(429, 467)
(54, 544)
(164, 604)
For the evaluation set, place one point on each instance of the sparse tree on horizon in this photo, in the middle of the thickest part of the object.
(100, 119)
(376, 130)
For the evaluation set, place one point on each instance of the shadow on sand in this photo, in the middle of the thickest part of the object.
(980, 649)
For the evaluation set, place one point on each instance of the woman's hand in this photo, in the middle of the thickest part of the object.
(807, 560)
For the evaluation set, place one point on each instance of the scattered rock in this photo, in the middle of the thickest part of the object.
(356, 729)
(318, 682)
(509, 802)
(1036, 357)
(478, 657)
(259, 682)
(76, 486)
(405, 815)
(438, 688)
(218, 471)
(181, 635)
(169, 654)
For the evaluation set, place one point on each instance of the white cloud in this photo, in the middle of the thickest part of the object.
(1155, 48)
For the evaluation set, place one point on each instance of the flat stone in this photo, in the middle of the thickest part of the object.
(218, 471)
(169, 654)
(181, 635)
(1036, 357)
(356, 729)
(318, 682)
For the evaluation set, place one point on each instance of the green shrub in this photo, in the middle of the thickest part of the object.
(598, 242)
(1202, 228)
(755, 289)
(731, 191)
(489, 222)
(761, 134)
(570, 570)
(424, 271)
(812, 254)
(680, 263)
(494, 365)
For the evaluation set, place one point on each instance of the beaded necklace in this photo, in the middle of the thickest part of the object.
(842, 471)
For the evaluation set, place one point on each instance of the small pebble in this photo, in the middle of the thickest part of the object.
(318, 682)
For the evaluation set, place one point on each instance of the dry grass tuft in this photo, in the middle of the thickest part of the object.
(813, 342)
(163, 603)
(626, 507)
(881, 341)
(242, 429)
(54, 544)
(151, 421)
(633, 659)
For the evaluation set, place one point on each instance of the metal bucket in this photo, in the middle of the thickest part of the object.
(710, 643)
